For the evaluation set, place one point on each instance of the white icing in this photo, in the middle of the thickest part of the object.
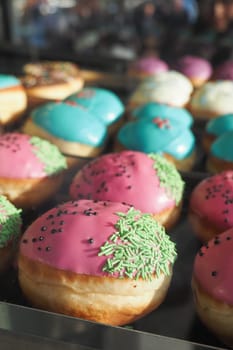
(170, 87)
(215, 97)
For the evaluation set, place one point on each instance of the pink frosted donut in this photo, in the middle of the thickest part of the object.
(31, 169)
(224, 71)
(147, 66)
(197, 69)
(211, 209)
(148, 182)
(213, 285)
(103, 261)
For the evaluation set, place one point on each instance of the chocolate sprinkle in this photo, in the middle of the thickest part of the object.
(214, 273)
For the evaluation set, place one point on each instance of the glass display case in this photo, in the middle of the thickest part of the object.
(104, 35)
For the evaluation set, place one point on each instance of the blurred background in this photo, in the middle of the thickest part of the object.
(96, 31)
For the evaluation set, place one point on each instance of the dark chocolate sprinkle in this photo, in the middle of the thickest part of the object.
(25, 241)
(49, 217)
(43, 228)
(200, 253)
(90, 240)
(34, 240)
(41, 238)
(214, 273)
(39, 248)
(61, 222)
(228, 238)
(48, 249)
(53, 230)
(216, 241)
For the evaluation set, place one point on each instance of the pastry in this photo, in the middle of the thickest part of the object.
(220, 157)
(147, 66)
(170, 87)
(212, 99)
(102, 103)
(13, 99)
(213, 288)
(152, 110)
(48, 81)
(224, 71)
(101, 261)
(148, 182)
(197, 69)
(210, 209)
(215, 128)
(10, 229)
(31, 169)
(173, 140)
(74, 130)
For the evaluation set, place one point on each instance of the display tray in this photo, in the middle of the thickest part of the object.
(174, 325)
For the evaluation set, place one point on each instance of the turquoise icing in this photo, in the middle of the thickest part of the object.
(7, 81)
(101, 102)
(70, 123)
(153, 109)
(145, 136)
(220, 125)
(223, 147)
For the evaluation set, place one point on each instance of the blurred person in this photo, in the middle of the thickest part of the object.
(148, 23)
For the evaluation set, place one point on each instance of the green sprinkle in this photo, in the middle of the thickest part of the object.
(10, 222)
(49, 154)
(168, 176)
(139, 248)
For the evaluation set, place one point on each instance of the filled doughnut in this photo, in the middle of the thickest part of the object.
(101, 261)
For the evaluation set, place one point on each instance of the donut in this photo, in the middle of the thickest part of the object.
(13, 99)
(173, 140)
(31, 169)
(102, 103)
(197, 69)
(72, 128)
(170, 87)
(210, 208)
(152, 110)
(147, 66)
(215, 128)
(212, 99)
(10, 229)
(224, 71)
(48, 81)
(102, 261)
(220, 157)
(212, 286)
(148, 182)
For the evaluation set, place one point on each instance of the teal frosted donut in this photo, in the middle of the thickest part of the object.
(102, 103)
(223, 147)
(215, 128)
(72, 128)
(220, 125)
(158, 135)
(221, 153)
(8, 81)
(153, 109)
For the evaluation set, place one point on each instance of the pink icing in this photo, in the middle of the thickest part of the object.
(17, 158)
(126, 176)
(212, 200)
(68, 238)
(224, 71)
(150, 65)
(194, 67)
(213, 267)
